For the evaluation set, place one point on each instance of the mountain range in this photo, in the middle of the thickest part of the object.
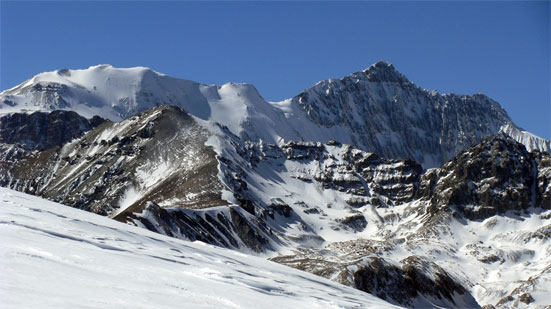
(377, 109)
(419, 198)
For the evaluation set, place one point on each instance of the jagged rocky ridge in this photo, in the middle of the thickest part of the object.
(376, 224)
(108, 168)
(393, 117)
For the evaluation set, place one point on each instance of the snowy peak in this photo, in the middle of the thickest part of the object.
(99, 76)
(112, 93)
(379, 110)
(526, 138)
(383, 71)
(379, 72)
(119, 93)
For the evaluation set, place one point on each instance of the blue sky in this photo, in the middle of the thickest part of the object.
(501, 49)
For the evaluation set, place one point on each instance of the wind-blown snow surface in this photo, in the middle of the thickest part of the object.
(376, 110)
(55, 256)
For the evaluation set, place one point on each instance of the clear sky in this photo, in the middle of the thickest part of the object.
(501, 49)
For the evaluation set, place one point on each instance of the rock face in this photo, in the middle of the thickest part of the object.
(22, 133)
(229, 227)
(490, 178)
(544, 178)
(414, 282)
(409, 281)
(40, 131)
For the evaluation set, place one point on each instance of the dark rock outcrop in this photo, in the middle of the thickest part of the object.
(40, 131)
(415, 280)
(217, 230)
(493, 177)
(400, 284)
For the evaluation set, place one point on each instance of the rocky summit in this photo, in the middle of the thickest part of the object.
(418, 198)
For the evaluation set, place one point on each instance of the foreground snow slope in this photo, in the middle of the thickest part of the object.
(56, 256)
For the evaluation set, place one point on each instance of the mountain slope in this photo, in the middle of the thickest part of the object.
(113, 166)
(330, 209)
(57, 257)
(376, 110)
(361, 220)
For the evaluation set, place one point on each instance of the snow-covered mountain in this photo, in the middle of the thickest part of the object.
(381, 111)
(54, 256)
(377, 110)
(333, 181)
